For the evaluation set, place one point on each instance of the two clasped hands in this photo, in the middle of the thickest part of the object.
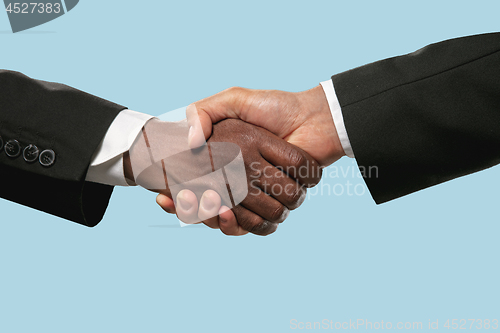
(244, 158)
(285, 140)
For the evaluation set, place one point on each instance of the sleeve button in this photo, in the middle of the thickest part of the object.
(12, 148)
(47, 157)
(30, 153)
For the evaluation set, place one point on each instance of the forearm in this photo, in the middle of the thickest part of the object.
(424, 118)
(61, 119)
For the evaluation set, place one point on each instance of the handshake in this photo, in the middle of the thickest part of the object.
(240, 161)
(244, 158)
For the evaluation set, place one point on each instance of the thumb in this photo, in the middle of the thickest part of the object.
(197, 134)
(202, 114)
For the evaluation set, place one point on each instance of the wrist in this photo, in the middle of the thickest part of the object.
(127, 169)
(315, 105)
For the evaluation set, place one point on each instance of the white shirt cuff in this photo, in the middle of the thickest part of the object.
(338, 119)
(106, 166)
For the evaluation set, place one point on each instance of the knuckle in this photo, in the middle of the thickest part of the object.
(254, 224)
(295, 196)
(234, 90)
(264, 228)
(246, 219)
(317, 174)
(279, 214)
(297, 159)
(227, 232)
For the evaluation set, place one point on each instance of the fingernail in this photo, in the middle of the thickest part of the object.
(207, 203)
(183, 203)
(195, 137)
(190, 136)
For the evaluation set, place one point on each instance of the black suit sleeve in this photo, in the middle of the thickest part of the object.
(65, 120)
(426, 117)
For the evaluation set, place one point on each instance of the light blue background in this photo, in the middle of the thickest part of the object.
(430, 255)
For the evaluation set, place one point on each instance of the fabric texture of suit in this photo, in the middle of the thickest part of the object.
(70, 122)
(424, 118)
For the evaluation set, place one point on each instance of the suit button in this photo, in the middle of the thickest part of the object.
(30, 153)
(47, 157)
(12, 148)
(1, 143)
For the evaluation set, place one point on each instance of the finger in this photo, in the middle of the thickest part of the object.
(265, 206)
(228, 224)
(200, 117)
(292, 160)
(209, 205)
(208, 210)
(212, 223)
(213, 109)
(252, 222)
(276, 184)
(196, 137)
(166, 203)
(187, 207)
